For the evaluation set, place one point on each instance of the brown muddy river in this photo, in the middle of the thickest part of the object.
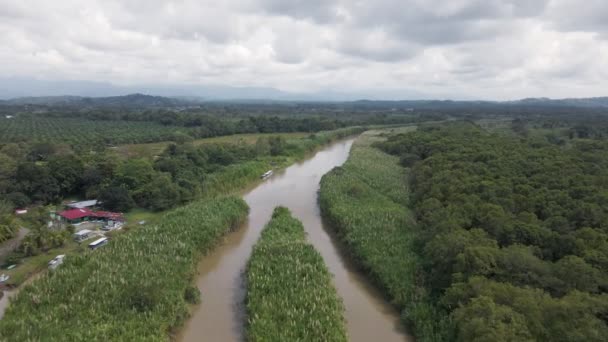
(221, 316)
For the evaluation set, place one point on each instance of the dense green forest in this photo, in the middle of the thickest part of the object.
(511, 231)
(137, 288)
(46, 173)
(508, 238)
(290, 295)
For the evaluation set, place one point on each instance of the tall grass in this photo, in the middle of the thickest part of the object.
(133, 289)
(290, 296)
(365, 202)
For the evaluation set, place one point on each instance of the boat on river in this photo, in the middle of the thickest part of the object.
(267, 174)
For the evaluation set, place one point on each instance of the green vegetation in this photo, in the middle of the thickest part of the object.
(88, 130)
(150, 150)
(365, 201)
(511, 231)
(34, 264)
(137, 288)
(75, 131)
(290, 296)
(46, 173)
(8, 225)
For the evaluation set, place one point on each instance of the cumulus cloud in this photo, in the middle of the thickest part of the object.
(431, 48)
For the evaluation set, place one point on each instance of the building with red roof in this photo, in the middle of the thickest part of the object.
(107, 215)
(75, 216)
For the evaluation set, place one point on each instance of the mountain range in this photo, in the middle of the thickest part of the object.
(17, 92)
(149, 101)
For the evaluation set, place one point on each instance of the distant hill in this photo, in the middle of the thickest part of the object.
(127, 101)
(591, 102)
(142, 101)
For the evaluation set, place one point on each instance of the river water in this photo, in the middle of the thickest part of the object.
(221, 316)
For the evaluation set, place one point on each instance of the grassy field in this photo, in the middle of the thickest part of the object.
(35, 264)
(290, 296)
(150, 150)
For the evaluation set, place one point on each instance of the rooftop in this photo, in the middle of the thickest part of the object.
(83, 204)
(74, 214)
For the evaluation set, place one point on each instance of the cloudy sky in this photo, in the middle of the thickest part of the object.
(462, 49)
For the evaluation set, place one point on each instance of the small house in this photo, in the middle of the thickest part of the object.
(76, 216)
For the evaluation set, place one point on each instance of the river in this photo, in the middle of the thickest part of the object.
(221, 316)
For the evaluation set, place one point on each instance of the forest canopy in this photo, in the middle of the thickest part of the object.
(512, 231)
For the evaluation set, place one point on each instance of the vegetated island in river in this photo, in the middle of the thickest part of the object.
(290, 296)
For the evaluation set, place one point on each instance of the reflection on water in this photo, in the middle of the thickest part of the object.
(221, 317)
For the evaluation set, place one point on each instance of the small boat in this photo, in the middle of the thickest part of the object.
(267, 174)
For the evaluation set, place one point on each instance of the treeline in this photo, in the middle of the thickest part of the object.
(90, 132)
(137, 288)
(211, 125)
(47, 173)
(512, 232)
(290, 295)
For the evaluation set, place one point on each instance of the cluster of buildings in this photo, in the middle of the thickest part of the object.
(77, 213)
(80, 212)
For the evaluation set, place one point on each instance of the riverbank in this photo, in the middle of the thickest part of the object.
(222, 315)
(366, 204)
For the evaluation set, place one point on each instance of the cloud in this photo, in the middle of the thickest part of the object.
(455, 48)
(320, 11)
(588, 16)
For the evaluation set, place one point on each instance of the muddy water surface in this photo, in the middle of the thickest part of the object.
(221, 317)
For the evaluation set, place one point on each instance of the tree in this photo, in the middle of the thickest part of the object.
(160, 194)
(181, 137)
(483, 320)
(116, 198)
(41, 151)
(8, 168)
(19, 200)
(277, 145)
(578, 275)
(134, 173)
(68, 171)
